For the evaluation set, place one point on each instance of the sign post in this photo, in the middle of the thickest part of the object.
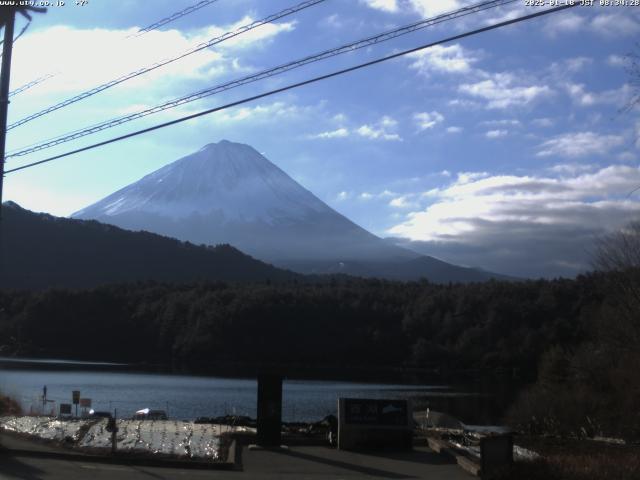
(112, 427)
(85, 405)
(76, 399)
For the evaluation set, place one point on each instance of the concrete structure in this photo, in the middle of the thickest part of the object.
(374, 424)
(269, 410)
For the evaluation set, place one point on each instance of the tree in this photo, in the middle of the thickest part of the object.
(618, 254)
(633, 69)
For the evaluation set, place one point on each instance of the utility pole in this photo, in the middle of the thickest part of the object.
(8, 20)
(5, 77)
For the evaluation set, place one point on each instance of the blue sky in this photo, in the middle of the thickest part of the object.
(507, 150)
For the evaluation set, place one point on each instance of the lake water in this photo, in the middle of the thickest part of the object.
(190, 397)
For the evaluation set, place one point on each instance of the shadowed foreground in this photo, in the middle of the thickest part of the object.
(304, 462)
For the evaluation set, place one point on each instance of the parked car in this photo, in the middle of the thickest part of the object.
(148, 414)
(99, 414)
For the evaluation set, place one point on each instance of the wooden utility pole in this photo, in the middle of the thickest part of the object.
(5, 78)
(8, 20)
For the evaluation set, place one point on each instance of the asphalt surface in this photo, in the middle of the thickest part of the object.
(296, 463)
(35, 461)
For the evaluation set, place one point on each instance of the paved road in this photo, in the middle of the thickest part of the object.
(303, 463)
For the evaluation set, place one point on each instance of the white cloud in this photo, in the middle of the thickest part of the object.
(464, 103)
(256, 37)
(571, 168)
(566, 22)
(501, 123)
(387, 121)
(344, 195)
(615, 25)
(523, 225)
(402, 202)
(576, 64)
(454, 129)
(616, 96)
(339, 118)
(579, 144)
(333, 21)
(427, 120)
(468, 177)
(504, 90)
(263, 112)
(579, 95)
(492, 134)
(383, 195)
(617, 61)
(543, 122)
(338, 133)
(443, 59)
(626, 156)
(382, 130)
(430, 8)
(504, 13)
(425, 8)
(373, 133)
(107, 54)
(384, 5)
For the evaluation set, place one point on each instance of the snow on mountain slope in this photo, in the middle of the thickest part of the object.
(226, 178)
(228, 193)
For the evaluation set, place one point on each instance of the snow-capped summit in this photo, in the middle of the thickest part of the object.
(229, 180)
(229, 193)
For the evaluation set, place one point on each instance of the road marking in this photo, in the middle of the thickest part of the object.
(103, 467)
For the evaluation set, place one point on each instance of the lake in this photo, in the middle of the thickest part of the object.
(189, 397)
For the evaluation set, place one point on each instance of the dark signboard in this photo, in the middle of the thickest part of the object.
(359, 411)
(65, 409)
(76, 397)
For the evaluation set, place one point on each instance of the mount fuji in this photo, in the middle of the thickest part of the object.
(229, 193)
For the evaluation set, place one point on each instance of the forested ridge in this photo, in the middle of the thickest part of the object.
(341, 321)
(575, 340)
(40, 251)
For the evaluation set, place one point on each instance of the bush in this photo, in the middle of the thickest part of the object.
(623, 465)
(9, 406)
(591, 392)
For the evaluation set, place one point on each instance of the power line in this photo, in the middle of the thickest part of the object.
(24, 29)
(350, 47)
(32, 83)
(297, 85)
(172, 17)
(139, 33)
(161, 63)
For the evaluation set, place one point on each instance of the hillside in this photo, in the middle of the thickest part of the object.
(40, 250)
